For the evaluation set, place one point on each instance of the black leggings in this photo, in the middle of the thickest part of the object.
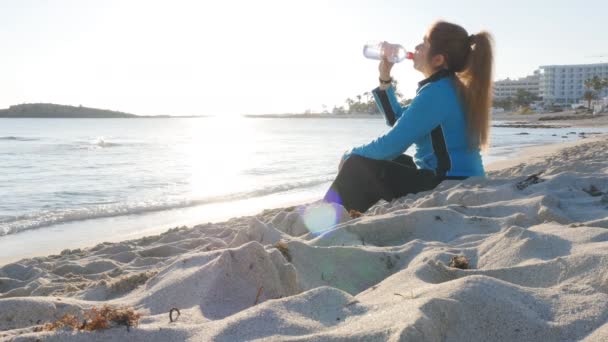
(362, 181)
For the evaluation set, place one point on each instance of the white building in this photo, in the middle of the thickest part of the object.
(564, 84)
(508, 87)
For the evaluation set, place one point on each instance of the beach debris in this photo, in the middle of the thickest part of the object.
(593, 191)
(352, 302)
(95, 319)
(257, 297)
(528, 125)
(533, 179)
(284, 249)
(389, 262)
(460, 261)
(67, 321)
(130, 282)
(171, 319)
(411, 295)
(354, 213)
(438, 218)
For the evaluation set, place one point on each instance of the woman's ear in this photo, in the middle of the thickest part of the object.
(438, 62)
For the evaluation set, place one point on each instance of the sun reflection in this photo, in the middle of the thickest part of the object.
(218, 149)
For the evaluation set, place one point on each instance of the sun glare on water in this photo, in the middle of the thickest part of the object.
(218, 149)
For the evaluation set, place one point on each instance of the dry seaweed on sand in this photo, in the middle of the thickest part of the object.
(354, 213)
(96, 319)
(257, 297)
(284, 249)
(67, 321)
(593, 191)
(460, 261)
(533, 179)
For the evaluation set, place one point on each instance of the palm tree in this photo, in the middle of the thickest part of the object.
(589, 96)
(588, 83)
(523, 98)
(599, 84)
(359, 98)
(596, 84)
(350, 103)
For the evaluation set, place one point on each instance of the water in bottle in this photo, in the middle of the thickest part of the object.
(394, 53)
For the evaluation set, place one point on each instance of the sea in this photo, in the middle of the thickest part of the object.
(67, 183)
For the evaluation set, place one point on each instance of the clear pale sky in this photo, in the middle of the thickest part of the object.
(264, 56)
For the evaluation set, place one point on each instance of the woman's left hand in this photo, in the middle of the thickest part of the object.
(385, 69)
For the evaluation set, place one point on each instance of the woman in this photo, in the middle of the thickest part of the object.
(448, 121)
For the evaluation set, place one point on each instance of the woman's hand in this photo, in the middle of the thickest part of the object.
(385, 69)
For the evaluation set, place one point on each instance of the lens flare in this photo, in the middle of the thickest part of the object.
(322, 217)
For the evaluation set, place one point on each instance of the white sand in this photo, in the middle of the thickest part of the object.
(538, 257)
(569, 119)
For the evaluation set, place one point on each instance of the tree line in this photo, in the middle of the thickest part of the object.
(365, 103)
(522, 98)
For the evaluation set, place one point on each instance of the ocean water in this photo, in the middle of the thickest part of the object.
(82, 172)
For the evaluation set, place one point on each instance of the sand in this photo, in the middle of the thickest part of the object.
(533, 233)
(569, 118)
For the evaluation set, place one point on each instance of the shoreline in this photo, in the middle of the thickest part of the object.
(545, 120)
(284, 272)
(87, 233)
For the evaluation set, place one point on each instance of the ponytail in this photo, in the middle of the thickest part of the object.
(477, 91)
(471, 58)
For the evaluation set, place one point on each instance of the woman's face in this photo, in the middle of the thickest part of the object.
(422, 62)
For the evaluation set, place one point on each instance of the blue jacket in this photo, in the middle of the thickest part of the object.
(434, 121)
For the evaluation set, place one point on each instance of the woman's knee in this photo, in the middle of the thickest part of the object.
(354, 159)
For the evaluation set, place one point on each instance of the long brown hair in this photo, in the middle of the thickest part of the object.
(471, 58)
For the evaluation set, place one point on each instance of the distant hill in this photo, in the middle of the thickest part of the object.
(49, 110)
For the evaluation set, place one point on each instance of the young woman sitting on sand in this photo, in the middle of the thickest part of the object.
(448, 121)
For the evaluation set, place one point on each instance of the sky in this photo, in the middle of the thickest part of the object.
(263, 56)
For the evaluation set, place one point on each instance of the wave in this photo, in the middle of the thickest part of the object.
(13, 138)
(15, 224)
(101, 142)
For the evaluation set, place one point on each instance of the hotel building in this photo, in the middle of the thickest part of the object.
(508, 87)
(555, 84)
(565, 84)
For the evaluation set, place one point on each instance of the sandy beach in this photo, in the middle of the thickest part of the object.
(521, 255)
(568, 118)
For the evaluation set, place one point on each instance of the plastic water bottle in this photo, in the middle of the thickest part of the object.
(394, 53)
